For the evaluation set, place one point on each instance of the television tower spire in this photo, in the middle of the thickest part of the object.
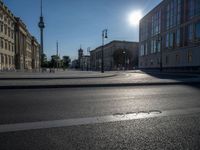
(41, 25)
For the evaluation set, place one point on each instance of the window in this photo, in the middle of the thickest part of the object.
(142, 50)
(178, 37)
(172, 40)
(2, 58)
(158, 46)
(197, 31)
(2, 45)
(189, 56)
(146, 48)
(177, 58)
(6, 45)
(5, 29)
(1, 26)
(156, 23)
(167, 40)
(197, 9)
(173, 13)
(166, 60)
(191, 8)
(9, 47)
(189, 32)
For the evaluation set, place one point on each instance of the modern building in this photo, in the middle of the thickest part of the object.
(170, 36)
(118, 55)
(7, 52)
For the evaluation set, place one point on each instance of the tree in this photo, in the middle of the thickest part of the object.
(54, 61)
(121, 56)
(66, 60)
(44, 61)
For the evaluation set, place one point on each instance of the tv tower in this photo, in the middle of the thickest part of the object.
(41, 25)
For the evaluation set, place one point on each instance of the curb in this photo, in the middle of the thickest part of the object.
(96, 85)
(55, 78)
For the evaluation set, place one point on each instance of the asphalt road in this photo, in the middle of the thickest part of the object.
(83, 105)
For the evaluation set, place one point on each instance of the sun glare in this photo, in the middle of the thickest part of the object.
(134, 18)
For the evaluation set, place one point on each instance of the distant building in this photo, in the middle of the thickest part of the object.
(85, 63)
(74, 64)
(80, 54)
(170, 36)
(7, 52)
(118, 55)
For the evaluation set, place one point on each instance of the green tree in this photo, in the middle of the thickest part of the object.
(66, 61)
(44, 61)
(54, 61)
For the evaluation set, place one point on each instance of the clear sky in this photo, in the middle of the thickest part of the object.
(80, 22)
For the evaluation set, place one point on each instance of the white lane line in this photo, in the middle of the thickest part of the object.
(91, 120)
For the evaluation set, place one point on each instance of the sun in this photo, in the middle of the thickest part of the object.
(134, 18)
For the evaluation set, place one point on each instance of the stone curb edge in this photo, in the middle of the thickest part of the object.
(96, 85)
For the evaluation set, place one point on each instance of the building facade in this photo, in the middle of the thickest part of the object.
(80, 55)
(118, 55)
(28, 53)
(19, 50)
(20, 44)
(35, 54)
(7, 52)
(85, 63)
(170, 36)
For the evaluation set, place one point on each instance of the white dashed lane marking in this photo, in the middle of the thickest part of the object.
(94, 120)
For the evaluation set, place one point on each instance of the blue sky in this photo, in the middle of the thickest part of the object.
(80, 22)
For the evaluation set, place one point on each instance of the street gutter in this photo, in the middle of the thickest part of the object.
(97, 85)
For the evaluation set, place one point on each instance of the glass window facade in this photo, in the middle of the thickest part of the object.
(173, 13)
(197, 31)
(193, 8)
(156, 23)
(189, 32)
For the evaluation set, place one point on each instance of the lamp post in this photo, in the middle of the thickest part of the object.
(161, 57)
(124, 52)
(104, 36)
(88, 51)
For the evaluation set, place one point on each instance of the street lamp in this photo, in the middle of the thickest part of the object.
(104, 36)
(159, 39)
(88, 51)
(124, 52)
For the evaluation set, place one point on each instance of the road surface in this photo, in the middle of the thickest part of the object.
(151, 117)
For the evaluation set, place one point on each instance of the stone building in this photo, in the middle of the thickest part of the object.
(28, 53)
(85, 63)
(35, 54)
(7, 52)
(18, 48)
(170, 36)
(118, 55)
(20, 44)
(80, 55)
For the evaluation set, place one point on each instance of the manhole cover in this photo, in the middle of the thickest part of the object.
(155, 112)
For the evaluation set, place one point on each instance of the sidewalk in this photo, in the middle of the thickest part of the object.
(56, 75)
(110, 79)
